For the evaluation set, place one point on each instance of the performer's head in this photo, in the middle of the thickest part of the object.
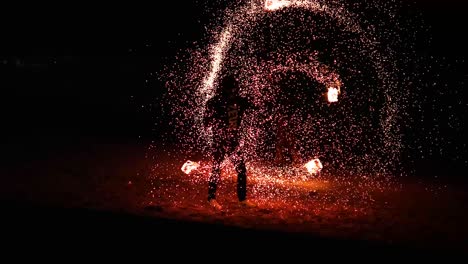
(228, 85)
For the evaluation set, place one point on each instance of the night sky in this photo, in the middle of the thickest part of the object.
(74, 74)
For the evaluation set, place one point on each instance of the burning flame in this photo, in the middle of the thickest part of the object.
(190, 166)
(314, 166)
(272, 5)
(333, 94)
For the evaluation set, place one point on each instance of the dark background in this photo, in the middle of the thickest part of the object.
(79, 75)
(73, 75)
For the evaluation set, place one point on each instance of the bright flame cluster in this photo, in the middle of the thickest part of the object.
(332, 94)
(190, 166)
(314, 166)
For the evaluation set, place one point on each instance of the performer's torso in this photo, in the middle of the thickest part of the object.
(228, 113)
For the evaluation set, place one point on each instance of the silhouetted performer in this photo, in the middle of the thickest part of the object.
(224, 113)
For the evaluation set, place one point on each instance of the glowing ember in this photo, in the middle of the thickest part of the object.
(190, 166)
(314, 166)
(333, 94)
(272, 5)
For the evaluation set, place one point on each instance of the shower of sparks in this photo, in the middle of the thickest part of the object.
(325, 76)
(216, 60)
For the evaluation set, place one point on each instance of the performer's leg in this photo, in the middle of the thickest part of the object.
(217, 157)
(241, 170)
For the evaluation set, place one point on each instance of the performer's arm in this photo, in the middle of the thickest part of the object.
(208, 115)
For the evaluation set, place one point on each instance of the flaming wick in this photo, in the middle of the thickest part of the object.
(190, 166)
(272, 5)
(333, 94)
(314, 166)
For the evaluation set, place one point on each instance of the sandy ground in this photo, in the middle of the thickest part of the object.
(135, 180)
